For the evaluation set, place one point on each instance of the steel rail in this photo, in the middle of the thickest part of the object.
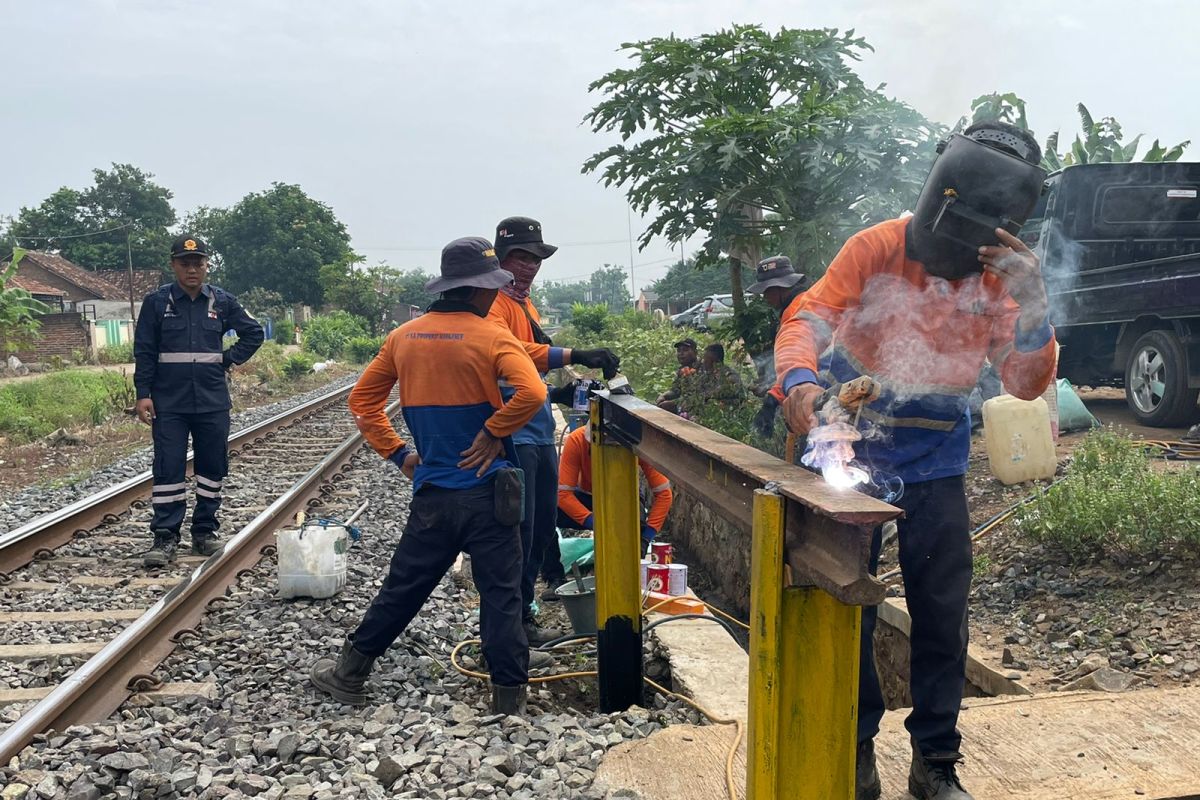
(101, 684)
(22, 545)
(828, 530)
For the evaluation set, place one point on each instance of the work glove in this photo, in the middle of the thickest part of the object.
(764, 420)
(602, 359)
(563, 396)
(648, 533)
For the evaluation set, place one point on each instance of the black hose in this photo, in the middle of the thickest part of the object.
(674, 617)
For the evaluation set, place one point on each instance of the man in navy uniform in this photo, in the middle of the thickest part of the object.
(181, 389)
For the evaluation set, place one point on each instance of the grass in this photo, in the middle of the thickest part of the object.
(32, 409)
(1113, 503)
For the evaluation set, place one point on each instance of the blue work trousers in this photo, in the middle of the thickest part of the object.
(539, 535)
(935, 559)
(441, 524)
(210, 442)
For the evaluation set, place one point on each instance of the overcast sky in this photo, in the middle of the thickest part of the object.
(418, 122)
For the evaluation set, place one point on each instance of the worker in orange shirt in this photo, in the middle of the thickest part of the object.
(781, 288)
(575, 487)
(521, 250)
(466, 488)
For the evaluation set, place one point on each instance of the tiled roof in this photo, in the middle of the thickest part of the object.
(34, 287)
(89, 281)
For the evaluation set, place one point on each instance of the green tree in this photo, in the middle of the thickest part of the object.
(123, 209)
(560, 295)
(1098, 141)
(18, 324)
(277, 239)
(404, 286)
(609, 287)
(686, 283)
(742, 133)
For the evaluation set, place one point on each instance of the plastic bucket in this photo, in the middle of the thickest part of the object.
(580, 606)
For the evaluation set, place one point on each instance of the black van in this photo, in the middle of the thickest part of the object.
(1120, 250)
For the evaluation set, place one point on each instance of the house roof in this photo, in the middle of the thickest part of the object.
(74, 274)
(144, 280)
(649, 296)
(34, 287)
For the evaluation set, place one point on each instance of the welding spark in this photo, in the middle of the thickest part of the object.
(841, 476)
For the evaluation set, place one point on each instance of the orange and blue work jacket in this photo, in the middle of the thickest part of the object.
(878, 312)
(575, 475)
(448, 364)
(519, 319)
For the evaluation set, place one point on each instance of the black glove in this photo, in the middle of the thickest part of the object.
(564, 395)
(602, 359)
(764, 420)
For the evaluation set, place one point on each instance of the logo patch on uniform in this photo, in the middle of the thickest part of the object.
(489, 253)
(212, 315)
(189, 244)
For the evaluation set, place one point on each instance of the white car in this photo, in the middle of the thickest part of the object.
(687, 317)
(714, 308)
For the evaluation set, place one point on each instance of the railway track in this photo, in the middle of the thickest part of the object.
(85, 624)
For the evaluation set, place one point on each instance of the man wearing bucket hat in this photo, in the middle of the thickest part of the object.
(781, 287)
(521, 250)
(449, 365)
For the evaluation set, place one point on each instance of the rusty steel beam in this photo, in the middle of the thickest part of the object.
(22, 545)
(828, 530)
(101, 684)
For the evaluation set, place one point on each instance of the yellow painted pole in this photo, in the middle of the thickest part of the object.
(803, 708)
(618, 559)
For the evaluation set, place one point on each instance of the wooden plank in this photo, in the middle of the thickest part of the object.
(9, 617)
(29, 652)
(92, 561)
(894, 611)
(164, 694)
(93, 581)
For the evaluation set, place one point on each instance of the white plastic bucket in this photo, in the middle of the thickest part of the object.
(312, 560)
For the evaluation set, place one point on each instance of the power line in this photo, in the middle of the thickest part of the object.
(74, 235)
(417, 249)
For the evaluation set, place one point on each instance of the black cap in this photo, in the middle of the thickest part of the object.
(521, 233)
(774, 271)
(189, 245)
(686, 343)
(470, 261)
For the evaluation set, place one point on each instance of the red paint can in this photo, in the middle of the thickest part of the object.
(660, 553)
(658, 578)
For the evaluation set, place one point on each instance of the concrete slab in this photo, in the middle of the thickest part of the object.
(707, 665)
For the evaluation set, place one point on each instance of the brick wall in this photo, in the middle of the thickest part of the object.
(61, 335)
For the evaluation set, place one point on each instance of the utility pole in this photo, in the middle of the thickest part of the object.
(129, 264)
(629, 225)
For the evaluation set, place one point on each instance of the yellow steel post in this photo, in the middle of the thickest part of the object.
(803, 677)
(618, 559)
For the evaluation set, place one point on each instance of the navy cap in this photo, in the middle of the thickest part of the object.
(774, 271)
(686, 343)
(188, 245)
(522, 233)
(470, 261)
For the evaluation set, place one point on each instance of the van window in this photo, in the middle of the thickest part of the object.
(1139, 204)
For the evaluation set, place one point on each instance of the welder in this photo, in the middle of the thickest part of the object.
(180, 377)
(919, 303)
(781, 288)
(449, 364)
(521, 250)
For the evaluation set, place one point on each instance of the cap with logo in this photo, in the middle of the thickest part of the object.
(470, 261)
(521, 233)
(774, 271)
(686, 343)
(189, 245)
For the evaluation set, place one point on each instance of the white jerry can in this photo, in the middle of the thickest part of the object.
(1019, 444)
(312, 559)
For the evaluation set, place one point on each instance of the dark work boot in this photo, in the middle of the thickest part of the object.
(934, 777)
(537, 635)
(346, 678)
(866, 776)
(205, 543)
(508, 699)
(162, 552)
(538, 659)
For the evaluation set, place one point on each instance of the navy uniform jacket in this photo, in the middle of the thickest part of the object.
(178, 350)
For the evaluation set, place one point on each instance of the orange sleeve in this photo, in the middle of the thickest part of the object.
(511, 318)
(575, 449)
(660, 487)
(368, 399)
(804, 335)
(512, 364)
(1025, 361)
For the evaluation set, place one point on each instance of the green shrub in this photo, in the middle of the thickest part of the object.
(1113, 502)
(590, 319)
(116, 353)
(34, 408)
(327, 335)
(361, 349)
(297, 364)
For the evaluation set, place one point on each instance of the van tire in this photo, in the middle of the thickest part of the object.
(1156, 381)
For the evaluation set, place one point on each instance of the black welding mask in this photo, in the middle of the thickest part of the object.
(977, 184)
